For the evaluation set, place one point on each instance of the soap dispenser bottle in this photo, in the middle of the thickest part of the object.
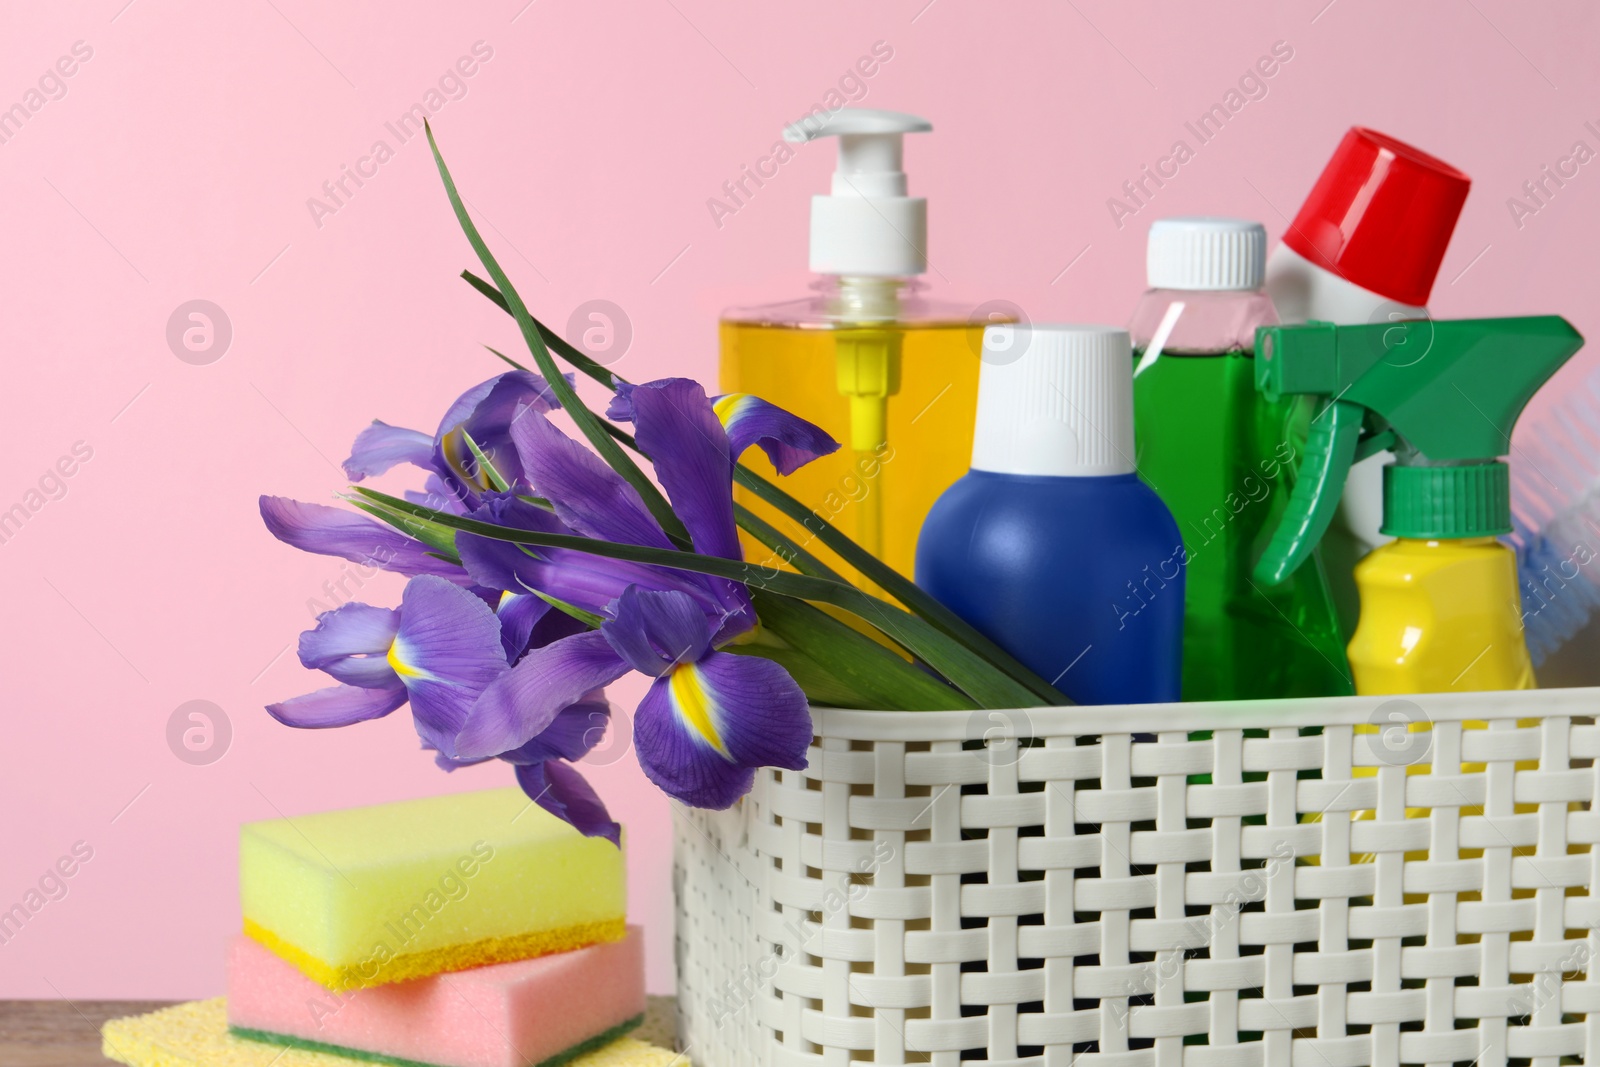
(867, 355)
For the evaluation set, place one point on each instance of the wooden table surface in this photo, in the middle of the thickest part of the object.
(60, 1033)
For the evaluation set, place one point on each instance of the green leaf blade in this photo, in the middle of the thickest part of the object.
(962, 667)
(896, 585)
(835, 654)
(586, 420)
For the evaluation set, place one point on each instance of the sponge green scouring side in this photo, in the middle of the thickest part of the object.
(563, 1059)
(196, 1035)
(369, 896)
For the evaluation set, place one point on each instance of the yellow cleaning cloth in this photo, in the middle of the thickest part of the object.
(369, 896)
(196, 1035)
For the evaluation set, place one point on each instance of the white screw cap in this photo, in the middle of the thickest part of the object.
(868, 226)
(1206, 254)
(1055, 400)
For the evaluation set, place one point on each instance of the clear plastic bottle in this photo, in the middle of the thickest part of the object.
(867, 355)
(880, 484)
(1223, 458)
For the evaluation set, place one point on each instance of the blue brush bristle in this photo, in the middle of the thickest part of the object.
(1555, 496)
(1558, 594)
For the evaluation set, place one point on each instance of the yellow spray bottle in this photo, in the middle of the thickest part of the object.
(1440, 606)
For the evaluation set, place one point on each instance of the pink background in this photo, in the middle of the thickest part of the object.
(178, 165)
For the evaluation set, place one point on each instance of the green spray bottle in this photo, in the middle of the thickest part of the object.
(1440, 607)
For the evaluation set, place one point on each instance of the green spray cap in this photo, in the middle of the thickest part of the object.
(1444, 393)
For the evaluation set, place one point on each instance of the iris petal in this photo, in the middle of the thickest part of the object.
(352, 629)
(587, 495)
(333, 532)
(528, 621)
(518, 614)
(488, 408)
(465, 404)
(447, 651)
(446, 764)
(381, 446)
(678, 759)
(571, 735)
(679, 431)
(563, 792)
(435, 494)
(766, 720)
(702, 731)
(351, 643)
(586, 581)
(522, 702)
(621, 407)
(789, 441)
(338, 706)
(655, 630)
(555, 625)
(486, 413)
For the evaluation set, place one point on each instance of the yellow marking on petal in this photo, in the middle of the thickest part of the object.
(751, 636)
(727, 407)
(458, 454)
(397, 661)
(695, 705)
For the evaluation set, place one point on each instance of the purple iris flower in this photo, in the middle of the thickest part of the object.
(493, 671)
(711, 717)
(440, 651)
(483, 416)
(789, 442)
(456, 480)
(335, 532)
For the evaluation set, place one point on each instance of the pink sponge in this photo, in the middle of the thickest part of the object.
(506, 1015)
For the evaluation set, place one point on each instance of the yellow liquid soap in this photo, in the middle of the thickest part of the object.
(892, 377)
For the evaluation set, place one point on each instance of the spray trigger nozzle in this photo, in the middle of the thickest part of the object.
(1445, 393)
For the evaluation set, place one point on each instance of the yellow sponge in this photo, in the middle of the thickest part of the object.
(369, 896)
(196, 1035)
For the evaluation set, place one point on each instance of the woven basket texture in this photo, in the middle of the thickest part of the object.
(1318, 883)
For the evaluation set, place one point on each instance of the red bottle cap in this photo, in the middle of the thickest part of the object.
(1381, 216)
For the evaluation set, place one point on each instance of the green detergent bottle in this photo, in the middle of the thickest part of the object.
(1224, 460)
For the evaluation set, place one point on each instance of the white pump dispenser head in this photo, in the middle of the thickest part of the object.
(868, 226)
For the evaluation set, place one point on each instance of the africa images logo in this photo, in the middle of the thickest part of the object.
(1251, 86)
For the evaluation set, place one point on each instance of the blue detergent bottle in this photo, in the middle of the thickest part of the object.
(1051, 544)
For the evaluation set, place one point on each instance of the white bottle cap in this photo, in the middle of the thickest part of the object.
(1199, 253)
(868, 225)
(1055, 400)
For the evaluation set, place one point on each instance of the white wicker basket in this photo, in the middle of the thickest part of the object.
(915, 897)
